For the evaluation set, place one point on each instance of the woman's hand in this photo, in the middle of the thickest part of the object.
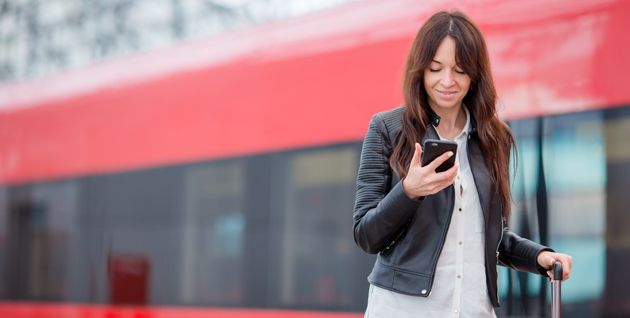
(546, 259)
(422, 181)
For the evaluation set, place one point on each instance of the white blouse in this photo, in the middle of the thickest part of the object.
(459, 287)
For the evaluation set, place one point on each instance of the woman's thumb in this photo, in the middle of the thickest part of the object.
(415, 160)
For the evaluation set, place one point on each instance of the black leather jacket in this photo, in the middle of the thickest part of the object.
(408, 235)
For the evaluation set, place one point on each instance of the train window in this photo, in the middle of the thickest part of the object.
(39, 231)
(315, 237)
(4, 255)
(575, 167)
(213, 234)
(614, 271)
(585, 160)
(128, 234)
(573, 183)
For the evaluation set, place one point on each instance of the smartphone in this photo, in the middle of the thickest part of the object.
(433, 148)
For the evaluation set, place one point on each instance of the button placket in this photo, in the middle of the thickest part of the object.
(459, 253)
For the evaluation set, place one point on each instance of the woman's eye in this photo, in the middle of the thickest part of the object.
(434, 70)
(460, 71)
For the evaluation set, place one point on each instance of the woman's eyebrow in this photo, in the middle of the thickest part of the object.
(434, 61)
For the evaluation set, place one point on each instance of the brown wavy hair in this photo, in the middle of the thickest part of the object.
(495, 137)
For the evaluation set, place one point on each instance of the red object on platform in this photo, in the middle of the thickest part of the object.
(128, 275)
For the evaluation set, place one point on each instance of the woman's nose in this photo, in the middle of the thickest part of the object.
(447, 79)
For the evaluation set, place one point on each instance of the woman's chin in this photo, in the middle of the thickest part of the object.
(448, 104)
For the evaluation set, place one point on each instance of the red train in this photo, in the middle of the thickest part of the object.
(216, 178)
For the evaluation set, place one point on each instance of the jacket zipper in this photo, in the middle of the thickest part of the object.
(448, 225)
(500, 239)
(496, 296)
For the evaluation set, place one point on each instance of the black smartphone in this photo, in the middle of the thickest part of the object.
(433, 148)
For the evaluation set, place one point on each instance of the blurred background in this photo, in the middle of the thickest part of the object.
(197, 158)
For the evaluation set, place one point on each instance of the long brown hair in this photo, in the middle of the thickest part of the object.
(471, 55)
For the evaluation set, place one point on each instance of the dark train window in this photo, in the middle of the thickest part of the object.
(38, 240)
(586, 164)
(317, 266)
(213, 219)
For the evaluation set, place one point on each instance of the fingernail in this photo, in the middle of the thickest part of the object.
(450, 153)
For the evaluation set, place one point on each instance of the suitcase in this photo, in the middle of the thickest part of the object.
(556, 290)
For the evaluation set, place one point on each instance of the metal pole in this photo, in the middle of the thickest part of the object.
(556, 291)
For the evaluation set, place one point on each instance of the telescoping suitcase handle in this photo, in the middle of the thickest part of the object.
(556, 291)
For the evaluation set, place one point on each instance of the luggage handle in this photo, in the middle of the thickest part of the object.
(556, 291)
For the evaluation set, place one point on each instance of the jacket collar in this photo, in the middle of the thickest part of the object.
(435, 121)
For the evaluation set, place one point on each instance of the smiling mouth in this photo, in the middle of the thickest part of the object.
(447, 93)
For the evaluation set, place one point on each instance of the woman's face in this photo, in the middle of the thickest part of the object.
(445, 82)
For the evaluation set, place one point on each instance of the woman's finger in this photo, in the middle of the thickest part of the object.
(439, 160)
(439, 186)
(566, 267)
(450, 174)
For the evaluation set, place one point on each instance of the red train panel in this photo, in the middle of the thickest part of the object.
(296, 84)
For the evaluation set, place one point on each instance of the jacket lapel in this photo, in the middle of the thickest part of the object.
(430, 134)
(481, 175)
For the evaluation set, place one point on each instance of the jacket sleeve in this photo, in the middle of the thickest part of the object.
(379, 212)
(520, 254)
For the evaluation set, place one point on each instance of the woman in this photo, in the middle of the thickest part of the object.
(439, 236)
